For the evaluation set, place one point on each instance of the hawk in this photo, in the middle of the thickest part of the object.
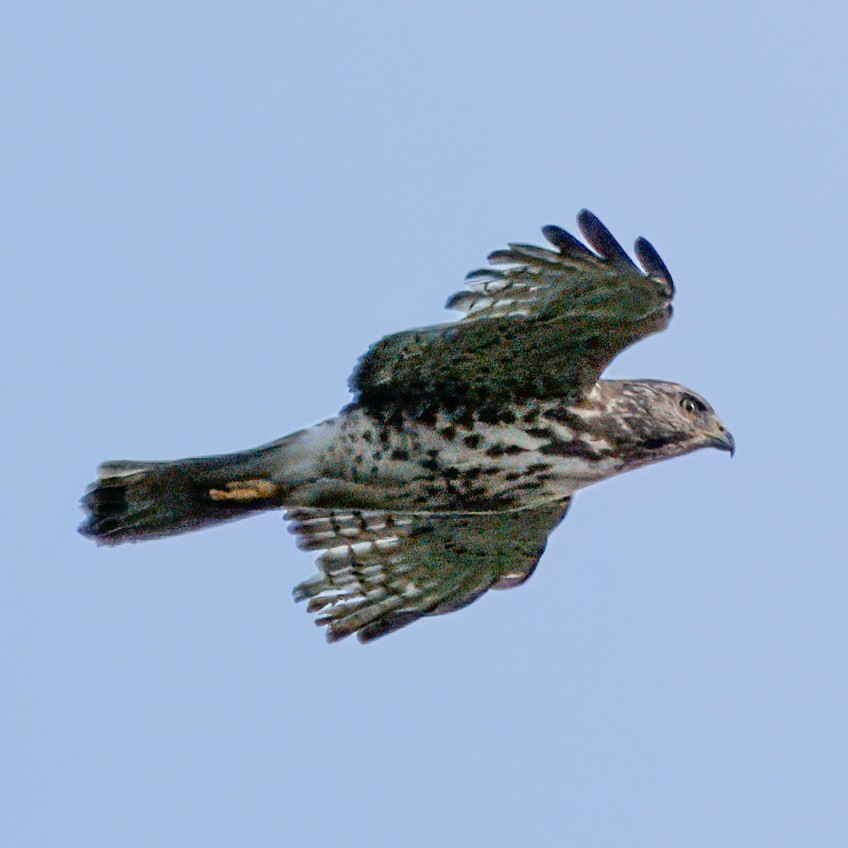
(462, 448)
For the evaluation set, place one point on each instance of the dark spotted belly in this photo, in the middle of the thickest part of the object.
(469, 465)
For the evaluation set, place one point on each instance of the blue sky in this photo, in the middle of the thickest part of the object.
(210, 210)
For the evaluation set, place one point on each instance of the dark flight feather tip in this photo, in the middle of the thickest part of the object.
(602, 240)
(566, 243)
(484, 275)
(505, 257)
(651, 261)
(533, 253)
(387, 624)
(464, 301)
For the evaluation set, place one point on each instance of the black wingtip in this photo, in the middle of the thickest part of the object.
(601, 239)
(566, 243)
(651, 261)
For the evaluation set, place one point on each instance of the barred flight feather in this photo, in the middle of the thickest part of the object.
(574, 276)
(379, 571)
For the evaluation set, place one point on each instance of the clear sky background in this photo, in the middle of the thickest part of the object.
(209, 211)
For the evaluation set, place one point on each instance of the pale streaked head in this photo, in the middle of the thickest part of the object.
(664, 419)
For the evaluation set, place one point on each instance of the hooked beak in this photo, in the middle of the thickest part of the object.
(723, 441)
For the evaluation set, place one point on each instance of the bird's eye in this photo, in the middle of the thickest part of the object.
(691, 405)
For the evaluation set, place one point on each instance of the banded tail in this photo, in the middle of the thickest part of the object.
(135, 501)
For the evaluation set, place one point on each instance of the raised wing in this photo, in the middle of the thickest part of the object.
(380, 571)
(544, 326)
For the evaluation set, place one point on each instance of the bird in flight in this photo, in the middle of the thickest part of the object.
(463, 446)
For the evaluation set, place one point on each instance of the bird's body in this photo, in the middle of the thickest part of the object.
(462, 449)
(453, 461)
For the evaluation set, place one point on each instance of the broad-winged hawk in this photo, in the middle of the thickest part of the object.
(463, 446)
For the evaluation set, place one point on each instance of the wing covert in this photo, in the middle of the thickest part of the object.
(541, 323)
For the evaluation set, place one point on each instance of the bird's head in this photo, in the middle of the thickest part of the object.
(669, 420)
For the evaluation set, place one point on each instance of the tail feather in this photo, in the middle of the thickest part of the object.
(133, 501)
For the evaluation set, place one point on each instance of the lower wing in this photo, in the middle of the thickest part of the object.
(380, 571)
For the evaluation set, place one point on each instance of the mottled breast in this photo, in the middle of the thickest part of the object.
(528, 454)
